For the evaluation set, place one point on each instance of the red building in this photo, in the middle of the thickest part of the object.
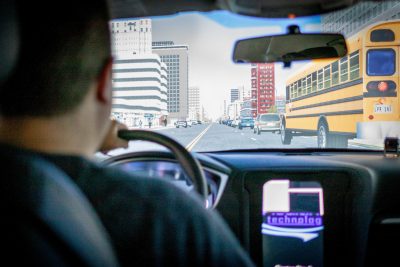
(262, 88)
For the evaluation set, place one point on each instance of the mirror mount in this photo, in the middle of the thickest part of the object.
(293, 29)
(287, 64)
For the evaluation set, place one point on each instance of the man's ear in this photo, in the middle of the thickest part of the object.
(103, 90)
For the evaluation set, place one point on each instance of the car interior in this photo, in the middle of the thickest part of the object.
(286, 206)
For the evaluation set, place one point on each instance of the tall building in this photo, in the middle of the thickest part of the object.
(140, 89)
(131, 36)
(176, 59)
(262, 87)
(139, 77)
(194, 103)
(234, 94)
(351, 20)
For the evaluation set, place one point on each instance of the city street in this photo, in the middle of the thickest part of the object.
(214, 137)
(223, 137)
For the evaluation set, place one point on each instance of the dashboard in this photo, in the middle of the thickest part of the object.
(299, 208)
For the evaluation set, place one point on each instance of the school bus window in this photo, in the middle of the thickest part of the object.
(295, 89)
(354, 65)
(327, 76)
(303, 86)
(314, 81)
(344, 74)
(381, 62)
(382, 35)
(292, 91)
(298, 88)
(309, 84)
(320, 79)
(335, 73)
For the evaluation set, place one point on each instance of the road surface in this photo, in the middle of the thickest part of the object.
(217, 137)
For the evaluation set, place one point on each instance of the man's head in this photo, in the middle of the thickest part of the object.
(63, 47)
(63, 55)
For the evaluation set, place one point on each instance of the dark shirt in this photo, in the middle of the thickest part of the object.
(151, 222)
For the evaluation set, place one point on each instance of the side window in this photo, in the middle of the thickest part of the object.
(314, 81)
(335, 73)
(327, 76)
(320, 79)
(298, 88)
(354, 65)
(344, 69)
(303, 86)
(308, 84)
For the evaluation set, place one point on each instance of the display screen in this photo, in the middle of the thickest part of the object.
(292, 225)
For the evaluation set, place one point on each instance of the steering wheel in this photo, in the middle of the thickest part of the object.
(189, 164)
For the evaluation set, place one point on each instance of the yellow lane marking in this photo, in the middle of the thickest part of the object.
(191, 145)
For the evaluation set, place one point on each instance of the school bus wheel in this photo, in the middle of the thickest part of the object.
(286, 135)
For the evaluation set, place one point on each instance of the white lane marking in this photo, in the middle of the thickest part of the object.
(253, 139)
(191, 145)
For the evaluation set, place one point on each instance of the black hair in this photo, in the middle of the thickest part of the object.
(63, 46)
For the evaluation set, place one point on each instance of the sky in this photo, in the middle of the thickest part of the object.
(211, 37)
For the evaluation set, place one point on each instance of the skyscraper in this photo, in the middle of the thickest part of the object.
(234, 94)
(131, 36)
(139, 77)
(176, 59)
(194, 103)
(262, 87)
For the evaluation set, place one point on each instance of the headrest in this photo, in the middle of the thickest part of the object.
(9, 40)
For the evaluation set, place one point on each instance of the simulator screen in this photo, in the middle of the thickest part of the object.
(292, 227)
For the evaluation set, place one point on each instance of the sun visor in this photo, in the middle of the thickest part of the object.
(284, 8)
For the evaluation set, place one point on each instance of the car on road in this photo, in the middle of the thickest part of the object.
(269, 122)
(179, 124)
(235, 123)
(246, 123)
(192, 122)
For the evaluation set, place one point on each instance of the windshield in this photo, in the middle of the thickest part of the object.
(179, 68)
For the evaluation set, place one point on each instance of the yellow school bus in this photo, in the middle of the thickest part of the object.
(351, 97)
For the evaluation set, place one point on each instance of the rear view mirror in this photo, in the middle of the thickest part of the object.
(289, 47)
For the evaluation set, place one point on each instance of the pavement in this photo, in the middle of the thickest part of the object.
(367, 144)
(154, 128)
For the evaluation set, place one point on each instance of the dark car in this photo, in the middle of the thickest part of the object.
(246, 123)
